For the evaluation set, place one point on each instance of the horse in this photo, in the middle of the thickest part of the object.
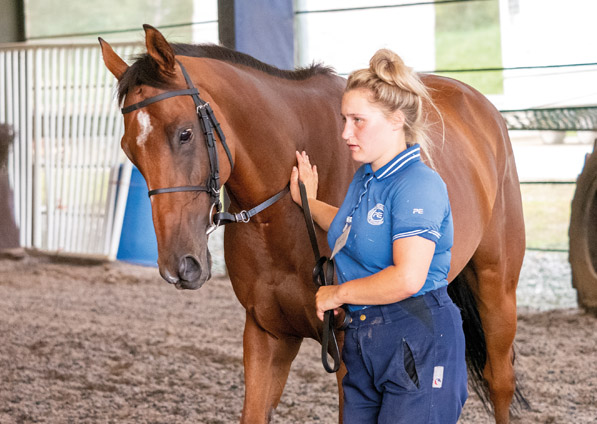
(264, 115)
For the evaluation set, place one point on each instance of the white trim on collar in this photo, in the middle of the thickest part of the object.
(400, 161)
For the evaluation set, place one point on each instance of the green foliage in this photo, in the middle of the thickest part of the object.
(467, 36)
(47, 18)
(465, 15)
(547, 214)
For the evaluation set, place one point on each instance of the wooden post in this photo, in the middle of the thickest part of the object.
(12, 21)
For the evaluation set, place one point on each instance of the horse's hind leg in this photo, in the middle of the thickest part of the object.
(496, 266)
(267, 363)
(497, 309)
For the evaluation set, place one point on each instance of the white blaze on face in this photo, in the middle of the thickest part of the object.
(145, 127)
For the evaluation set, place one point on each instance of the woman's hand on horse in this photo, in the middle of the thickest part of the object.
(326, 299)
(307, 173)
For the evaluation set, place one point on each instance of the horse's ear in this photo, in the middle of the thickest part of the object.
(112, 61)
(159, 50)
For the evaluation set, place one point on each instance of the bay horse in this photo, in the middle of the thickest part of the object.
(266, 114)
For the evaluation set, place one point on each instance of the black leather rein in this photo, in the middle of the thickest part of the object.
(323, 275)
(208, 122)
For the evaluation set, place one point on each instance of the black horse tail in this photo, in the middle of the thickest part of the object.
(476, 348)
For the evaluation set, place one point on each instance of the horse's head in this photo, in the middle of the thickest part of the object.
(164, 139)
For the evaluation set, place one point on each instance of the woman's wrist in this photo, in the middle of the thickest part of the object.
(323, 213)
(339, 294)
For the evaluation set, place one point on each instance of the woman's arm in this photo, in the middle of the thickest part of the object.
(323, 214)
(412, 257)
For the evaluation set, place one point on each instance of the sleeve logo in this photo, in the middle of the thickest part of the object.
(418, 211)
(375, 215)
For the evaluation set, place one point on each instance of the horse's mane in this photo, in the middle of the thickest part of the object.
(144, 71)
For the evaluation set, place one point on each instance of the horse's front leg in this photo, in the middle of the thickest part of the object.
(267, 363)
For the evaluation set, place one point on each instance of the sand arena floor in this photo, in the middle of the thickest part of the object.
(113, 343)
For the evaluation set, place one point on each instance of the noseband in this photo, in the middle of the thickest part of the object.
(208, 123)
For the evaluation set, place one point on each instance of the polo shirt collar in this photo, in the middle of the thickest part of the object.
(400, 161)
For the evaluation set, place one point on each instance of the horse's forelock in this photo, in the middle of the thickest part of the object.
(144, 71)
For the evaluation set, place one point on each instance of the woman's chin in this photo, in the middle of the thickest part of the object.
(356, 154)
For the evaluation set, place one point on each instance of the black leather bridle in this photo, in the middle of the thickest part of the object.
(208, 122)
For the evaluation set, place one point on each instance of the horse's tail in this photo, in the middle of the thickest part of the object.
(476, 349)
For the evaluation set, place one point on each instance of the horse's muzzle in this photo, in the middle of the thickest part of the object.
(189, 268)
(189, 274)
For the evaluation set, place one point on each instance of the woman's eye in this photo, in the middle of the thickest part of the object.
(185, 136)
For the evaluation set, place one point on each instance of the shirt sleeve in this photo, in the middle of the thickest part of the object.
(419, 207)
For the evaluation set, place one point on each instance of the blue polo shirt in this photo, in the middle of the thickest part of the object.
(404, 198)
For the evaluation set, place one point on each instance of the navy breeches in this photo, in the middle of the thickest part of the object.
(405, 362)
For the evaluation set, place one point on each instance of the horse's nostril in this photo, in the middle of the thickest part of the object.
(189, 268)
(171, 279)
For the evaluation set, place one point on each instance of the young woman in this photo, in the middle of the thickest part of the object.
(391, 241)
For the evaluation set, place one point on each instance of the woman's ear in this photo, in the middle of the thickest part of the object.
(398, 119)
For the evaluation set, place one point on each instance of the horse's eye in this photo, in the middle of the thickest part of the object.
(185, 136)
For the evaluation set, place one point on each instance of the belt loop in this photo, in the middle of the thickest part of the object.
(385, 313)
(437, 294)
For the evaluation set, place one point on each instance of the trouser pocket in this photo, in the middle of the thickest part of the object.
(409, 364)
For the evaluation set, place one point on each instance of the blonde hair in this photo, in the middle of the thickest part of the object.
(395, 86)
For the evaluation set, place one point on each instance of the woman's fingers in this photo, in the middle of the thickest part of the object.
(303, 161)
(321, 314)
(307, 174)
(294, 188)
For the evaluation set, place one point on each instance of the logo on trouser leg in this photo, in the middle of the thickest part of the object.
(438, 377)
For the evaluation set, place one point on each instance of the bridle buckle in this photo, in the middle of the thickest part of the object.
(242, 216)
(202, 106)
(212, 226)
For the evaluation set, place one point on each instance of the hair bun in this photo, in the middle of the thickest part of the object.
(389, 67)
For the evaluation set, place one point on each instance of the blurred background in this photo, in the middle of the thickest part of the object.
(74, 192)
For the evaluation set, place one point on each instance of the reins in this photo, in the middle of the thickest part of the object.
(323, 275)
(208, 122)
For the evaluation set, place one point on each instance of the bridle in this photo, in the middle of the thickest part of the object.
(208, 122)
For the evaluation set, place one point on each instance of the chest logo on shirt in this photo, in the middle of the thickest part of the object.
(375, 215)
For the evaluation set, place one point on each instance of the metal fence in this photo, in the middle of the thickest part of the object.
(69, 177)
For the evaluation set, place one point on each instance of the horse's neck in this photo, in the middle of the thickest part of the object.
(268, 119)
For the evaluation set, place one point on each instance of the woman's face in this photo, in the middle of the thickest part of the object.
(371, 136)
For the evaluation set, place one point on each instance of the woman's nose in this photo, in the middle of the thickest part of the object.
(346, 132)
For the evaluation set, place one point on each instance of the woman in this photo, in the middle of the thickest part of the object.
(391, 241)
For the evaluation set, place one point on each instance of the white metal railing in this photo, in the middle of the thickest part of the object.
(69, 177)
